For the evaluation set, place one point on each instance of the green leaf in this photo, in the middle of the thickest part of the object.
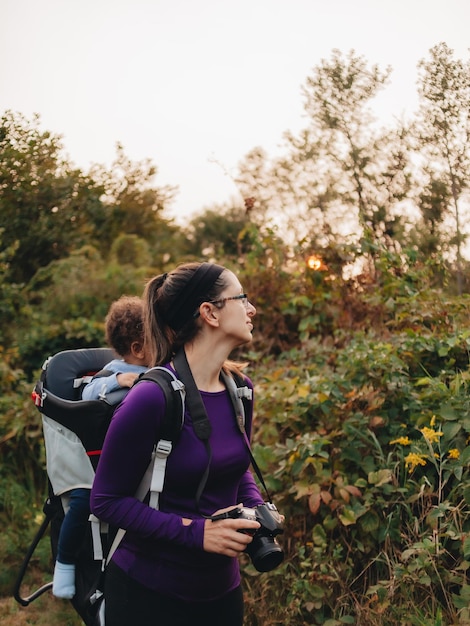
(319, 535)
(451, 429)
(465, 456)
(448, 412)
(347, 517)
(420, 382)
(370, 522)
(466, 547)
(316, 592)
(380, 477)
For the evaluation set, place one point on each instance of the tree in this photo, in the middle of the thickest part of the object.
(341, 174)
(444, 133)
(217, 232)
(133, 205)
(432, 203)
(369, 165)
(44, 201)
(48, 208)
(11, 299)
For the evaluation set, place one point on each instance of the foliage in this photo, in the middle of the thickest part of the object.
(131, 204)
(22, 471)
(44, 201)
(11, 299)
(360, 355)
(340, 174)
(216, 232)
(66, 301)
(365, 444)
(342, 178)
(444, 131)
(48, 208)
(352, 368)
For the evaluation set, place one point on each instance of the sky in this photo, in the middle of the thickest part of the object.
(194, 85)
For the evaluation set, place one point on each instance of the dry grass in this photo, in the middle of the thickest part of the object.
(44, 611)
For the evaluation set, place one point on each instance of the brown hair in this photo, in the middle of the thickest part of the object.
(124, 324)
(164, 295)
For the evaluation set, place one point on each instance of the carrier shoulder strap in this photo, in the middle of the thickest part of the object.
(172, 423)
(238, 392)
(175, 395)
(154, 477)
(201, 423)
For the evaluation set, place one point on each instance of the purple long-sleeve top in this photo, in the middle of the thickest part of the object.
(159, 551)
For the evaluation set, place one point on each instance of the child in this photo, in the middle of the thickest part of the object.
(124, 333)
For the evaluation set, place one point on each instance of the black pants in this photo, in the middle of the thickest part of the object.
(130, 604)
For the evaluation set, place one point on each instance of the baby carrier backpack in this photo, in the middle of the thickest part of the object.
(74, 431)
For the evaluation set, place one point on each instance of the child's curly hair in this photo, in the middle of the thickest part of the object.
(123, 324)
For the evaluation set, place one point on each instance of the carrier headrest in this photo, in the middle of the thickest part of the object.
(64, 368)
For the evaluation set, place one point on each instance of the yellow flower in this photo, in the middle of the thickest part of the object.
(292, 458)
(454, 453)
(433, 421)
(403, 441)
(412, 460)
(431, 435)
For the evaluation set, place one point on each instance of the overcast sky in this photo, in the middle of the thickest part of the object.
(195, 84)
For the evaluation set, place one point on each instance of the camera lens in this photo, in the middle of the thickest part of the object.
(266, 554)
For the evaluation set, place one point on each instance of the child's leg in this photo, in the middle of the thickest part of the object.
(71, 535)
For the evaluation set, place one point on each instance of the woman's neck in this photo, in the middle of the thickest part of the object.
(205, 364)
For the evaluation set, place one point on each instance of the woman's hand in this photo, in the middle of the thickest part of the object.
(228, 536)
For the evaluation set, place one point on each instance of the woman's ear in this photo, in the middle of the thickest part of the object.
(209, 313)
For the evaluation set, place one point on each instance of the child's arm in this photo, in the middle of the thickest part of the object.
(100, 387)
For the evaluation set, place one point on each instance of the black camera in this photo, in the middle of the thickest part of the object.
(264, 551)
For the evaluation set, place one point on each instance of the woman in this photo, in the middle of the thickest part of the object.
(176, 566)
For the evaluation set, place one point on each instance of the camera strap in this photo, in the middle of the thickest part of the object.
(201, 423)
(236, 394)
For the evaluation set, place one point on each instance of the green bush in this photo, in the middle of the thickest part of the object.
(361, 430)
(365, 446)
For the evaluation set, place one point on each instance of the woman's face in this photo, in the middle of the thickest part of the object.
(236, 313)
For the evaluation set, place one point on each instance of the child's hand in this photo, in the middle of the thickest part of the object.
(127, 379)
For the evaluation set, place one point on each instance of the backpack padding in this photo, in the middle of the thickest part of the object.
(64, 367)
(174, 412)
(88, 419)
(57, 398)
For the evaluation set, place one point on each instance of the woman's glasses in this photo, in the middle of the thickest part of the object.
(243, 297)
